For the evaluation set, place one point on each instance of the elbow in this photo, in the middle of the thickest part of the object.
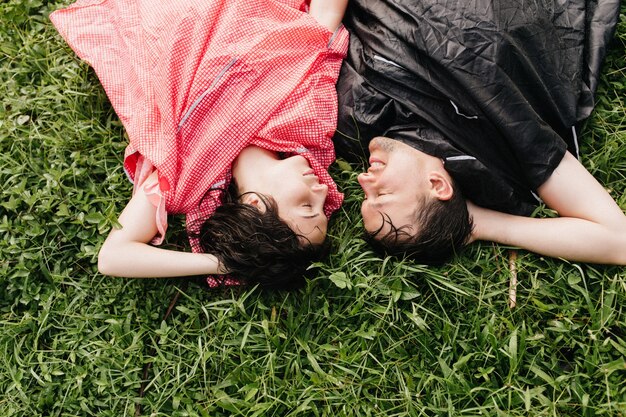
(614, 246)
(619, 256)
(106, 261)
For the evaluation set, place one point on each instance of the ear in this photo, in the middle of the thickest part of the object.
(440, 186)
(254, 200)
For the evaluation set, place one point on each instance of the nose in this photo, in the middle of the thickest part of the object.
(366, 181)
(320, 188)
(320, 192)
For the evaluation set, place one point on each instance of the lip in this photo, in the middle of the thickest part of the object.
(309, 171)
(375, 165)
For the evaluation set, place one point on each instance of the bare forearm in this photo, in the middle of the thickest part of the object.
(563, 237)
(140, 260)
(592, 227)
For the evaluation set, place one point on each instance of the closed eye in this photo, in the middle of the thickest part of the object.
(309, 208)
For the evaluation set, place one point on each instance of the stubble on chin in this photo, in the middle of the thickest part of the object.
(383, 143)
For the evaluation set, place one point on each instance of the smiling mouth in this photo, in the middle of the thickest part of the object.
(375, 164)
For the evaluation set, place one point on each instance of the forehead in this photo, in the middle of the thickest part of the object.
(395, 213)
(312, 229)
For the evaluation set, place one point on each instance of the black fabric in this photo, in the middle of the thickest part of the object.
(502, 81)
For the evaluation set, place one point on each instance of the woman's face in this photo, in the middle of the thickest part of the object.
(299, 196)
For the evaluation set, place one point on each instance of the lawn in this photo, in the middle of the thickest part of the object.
(367, 336)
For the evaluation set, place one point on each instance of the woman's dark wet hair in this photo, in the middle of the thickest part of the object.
(444, 228)
(257, 247)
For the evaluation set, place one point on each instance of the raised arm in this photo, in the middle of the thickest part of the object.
(126, 252)
(591, 227)
(328, 13)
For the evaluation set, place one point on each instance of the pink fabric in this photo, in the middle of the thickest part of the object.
(150, 186)
(196, 81)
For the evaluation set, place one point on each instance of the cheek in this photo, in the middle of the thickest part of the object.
(296, 190)
(403, 166)
(287, 196)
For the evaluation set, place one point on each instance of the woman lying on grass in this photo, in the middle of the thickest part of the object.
(229, 108)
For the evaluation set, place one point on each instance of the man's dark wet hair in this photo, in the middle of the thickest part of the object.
(443, 229)
(257, 247)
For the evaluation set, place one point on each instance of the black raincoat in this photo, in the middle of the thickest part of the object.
(495, 88)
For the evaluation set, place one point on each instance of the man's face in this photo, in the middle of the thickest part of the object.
(395, 184)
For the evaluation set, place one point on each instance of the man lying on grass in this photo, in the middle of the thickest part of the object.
(474, 110)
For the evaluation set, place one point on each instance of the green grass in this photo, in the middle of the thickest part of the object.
(365, 337)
